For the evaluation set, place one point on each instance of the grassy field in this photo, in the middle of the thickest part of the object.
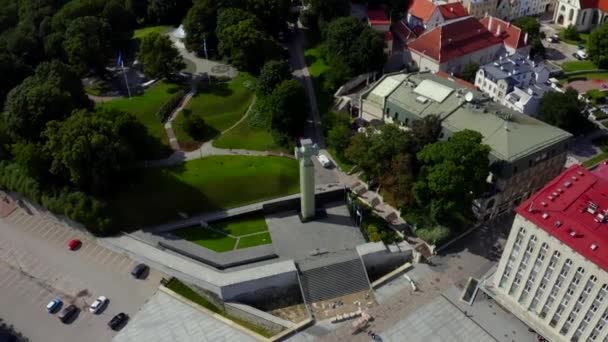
(186, 292)
(142, 32)
(144, 108)
(596, 159)
(242, 225)
(578, 65)
(207, 238)
(247, 137)
(159, 194)
(583, 37)
(254, 240)
(221, 106)
(315, 62)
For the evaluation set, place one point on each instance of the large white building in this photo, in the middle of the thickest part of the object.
(515, 81)
(553, 271)
(582, 14)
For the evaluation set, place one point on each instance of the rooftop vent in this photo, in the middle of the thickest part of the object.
(545, 216)
(558, 224)
(575, 178)
(601, 218)
(593, 246)
(555, 194)
(544, 204)
(560, 190)
(592, 208)
(550, 198)
(580, 173)
(573, 233)
(567, 184)
(422, 99)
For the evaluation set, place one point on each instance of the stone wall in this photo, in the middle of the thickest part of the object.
(209, 295)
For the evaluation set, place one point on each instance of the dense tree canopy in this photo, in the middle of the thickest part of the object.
(469, 72)
(13, 72)
(50, 94)
(564, 110)
(597, 46)
(87, 44)
(329, 10)
(453, 173)
(232, 16)
(272, 73)
(167, 11)
(200, 23)
(247, 47)
(159, 57)
(290, 107)
(529, 25)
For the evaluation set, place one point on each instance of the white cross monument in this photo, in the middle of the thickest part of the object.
(307, 178)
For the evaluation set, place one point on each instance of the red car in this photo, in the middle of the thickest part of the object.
(74, 244)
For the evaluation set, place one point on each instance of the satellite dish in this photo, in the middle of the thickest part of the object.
(468, 97)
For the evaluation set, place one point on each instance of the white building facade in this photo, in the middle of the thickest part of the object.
(584, 15)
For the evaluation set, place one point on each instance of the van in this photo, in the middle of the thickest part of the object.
(68, 313)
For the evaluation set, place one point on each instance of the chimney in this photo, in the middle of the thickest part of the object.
(490, 24)
(451, 9)
(526, 39)
(498, 30)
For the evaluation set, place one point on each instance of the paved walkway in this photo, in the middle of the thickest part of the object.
(169, 124)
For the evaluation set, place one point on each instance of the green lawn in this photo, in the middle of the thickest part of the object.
(221, 106)
(315, 62)
(207, 238)
(254, 240)
(245, 136)
(186, 292)
(142, 32)
(144, 108)
(157, 195)
(242, 225)
(578, 65)
(595, 160)
(583, 37)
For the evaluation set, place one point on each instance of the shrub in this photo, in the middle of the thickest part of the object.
(75, 205)
(435, 235)
(194, 125)
(571, 33)
(166, 109)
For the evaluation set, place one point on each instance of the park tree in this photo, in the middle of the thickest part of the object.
(231, 16)
(565, 111)
(87, 44)
(537, 48)
(122, 21)
(350, 41)
(29, 157)
(424, 131)
(338, 137)
(139, 8)
(194, 125)
(453, 173)
(22, 42)
(397, 182)
(597, 46)
(328, 10)
(289, 108)
(9, 14)
(167, 11)
(469, 72)
(200, 23)
(87, 149)
(529, 25)
(571, 33)
(271, 74)
(246, 47)
(50, 94)
(271, 13)
(159, 57)
(13, 72)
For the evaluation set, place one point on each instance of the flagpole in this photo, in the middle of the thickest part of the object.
(207, 58)
(126, 81)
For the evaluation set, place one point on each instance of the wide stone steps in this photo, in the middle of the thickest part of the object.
(334, 280)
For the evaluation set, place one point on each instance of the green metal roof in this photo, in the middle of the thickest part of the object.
(510, 135)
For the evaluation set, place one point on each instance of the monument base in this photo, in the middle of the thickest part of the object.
(319, 213)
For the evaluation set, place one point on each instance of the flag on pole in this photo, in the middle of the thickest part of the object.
(205, 48)
(119, 61)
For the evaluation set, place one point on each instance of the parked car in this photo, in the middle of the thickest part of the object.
(74, 244)
(118, 320)
(68, 313)
(553, 39)
(139, 270)
(324, 161)
(54, 305)
(98, 304)
(580, 55)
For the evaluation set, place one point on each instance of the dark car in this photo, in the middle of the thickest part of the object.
(68, 313)
(118, 320)
(139, 270)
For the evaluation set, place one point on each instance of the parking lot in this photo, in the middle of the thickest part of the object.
(36, 265)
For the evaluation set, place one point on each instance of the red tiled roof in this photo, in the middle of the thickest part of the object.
(404, 31)
(588, 4)
(453, 40)
(452, 11)
(460, 81)
(570, 208)
(512, 35)
(422, 9)
(388, 35)
(377, 17)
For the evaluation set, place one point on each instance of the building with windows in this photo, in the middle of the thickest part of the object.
(525, 153)
(515, 81)
(426, 15)
(582, 14)
(480, 8)
(553, 271)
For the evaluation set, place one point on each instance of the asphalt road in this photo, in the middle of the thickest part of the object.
(35, 266)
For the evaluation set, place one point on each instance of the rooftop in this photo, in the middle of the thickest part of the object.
(377, 17)
(601, 4)
(512, 35)
(511, 135)
(422, 9)
(573, 208)
(509, 66)
(454, 39)
(452, 11)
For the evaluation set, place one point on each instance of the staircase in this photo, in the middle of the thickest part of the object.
(332, 276)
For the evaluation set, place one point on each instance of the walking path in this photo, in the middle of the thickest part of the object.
(169, 126)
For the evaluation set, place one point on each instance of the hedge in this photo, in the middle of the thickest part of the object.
(435, 236)
(166, 109)
(75, 205)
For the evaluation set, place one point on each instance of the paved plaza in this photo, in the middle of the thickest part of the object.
(293, 239)
(164, 318)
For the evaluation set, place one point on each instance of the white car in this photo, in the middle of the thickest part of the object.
(98, 304)
(324, 160)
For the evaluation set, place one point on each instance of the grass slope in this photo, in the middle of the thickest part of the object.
(242, 225)
(248, 137)
(142, 32)
(159, 194)
(144, 107)
(254, 240)
(578, 65)
(207, 238)
(220, 105)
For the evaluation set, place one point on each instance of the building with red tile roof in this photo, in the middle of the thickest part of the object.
(582, 14)
(513, 37)
(553, 273)
(451, 46)
(428, 15)
(377, 19)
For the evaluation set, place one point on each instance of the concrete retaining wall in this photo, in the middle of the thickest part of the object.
(380, 259)
(293, 203)
(261, 289)
(209, 295)
(257, 317)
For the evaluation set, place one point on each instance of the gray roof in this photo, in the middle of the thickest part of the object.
(510, 135)
(509, 66)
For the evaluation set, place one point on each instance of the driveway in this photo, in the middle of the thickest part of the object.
(35, 266)
(557, 52)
